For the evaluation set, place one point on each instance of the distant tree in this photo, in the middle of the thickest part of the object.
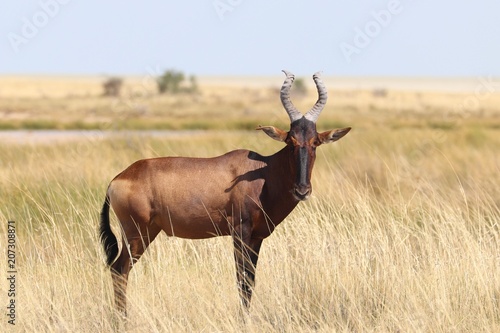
(173, 82)
(193, 84)
(170, 81)
(299, 87)
(379, 92)
(112, 86)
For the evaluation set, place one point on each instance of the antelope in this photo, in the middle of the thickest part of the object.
(241, 194)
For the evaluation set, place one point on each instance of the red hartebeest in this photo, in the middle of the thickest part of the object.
(241, 193)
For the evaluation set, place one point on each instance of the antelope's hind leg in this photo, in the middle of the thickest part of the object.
(136, 239)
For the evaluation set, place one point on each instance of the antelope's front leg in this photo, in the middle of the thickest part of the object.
(246, 254)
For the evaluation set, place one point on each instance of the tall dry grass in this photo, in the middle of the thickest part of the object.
(402, 235)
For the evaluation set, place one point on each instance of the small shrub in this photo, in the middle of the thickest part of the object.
(171, 81)
(379, 92)
(299, 87)
(112, 86)
(193, 84)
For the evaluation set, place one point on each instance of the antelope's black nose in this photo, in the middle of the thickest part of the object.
(302, 192)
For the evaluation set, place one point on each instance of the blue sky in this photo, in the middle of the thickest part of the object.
(243, 37)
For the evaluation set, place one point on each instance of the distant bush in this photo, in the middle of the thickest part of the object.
(172, 82)
(193, 84)
(299, 87)
(113, 86)
(379, 92)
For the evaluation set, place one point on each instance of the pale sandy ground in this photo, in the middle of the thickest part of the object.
(35, 137)
(459, 84)
(63, 86)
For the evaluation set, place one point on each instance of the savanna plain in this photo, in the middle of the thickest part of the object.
(401, 233)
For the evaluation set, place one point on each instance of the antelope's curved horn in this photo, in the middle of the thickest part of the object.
(314, 113)
(293, 113)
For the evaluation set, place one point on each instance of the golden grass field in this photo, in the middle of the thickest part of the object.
(401, 234)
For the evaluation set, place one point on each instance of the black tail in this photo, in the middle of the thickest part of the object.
(108, 239)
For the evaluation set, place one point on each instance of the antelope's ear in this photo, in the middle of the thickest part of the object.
(274, 132)
(333, 135)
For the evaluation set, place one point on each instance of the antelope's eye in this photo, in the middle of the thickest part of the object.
(293, 141)
(315, 142)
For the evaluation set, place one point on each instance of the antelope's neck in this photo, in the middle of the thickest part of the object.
(278, 197)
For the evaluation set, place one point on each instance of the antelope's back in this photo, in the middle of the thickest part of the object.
(189, 197)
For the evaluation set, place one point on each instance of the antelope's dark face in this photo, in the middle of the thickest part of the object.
(302, 139)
